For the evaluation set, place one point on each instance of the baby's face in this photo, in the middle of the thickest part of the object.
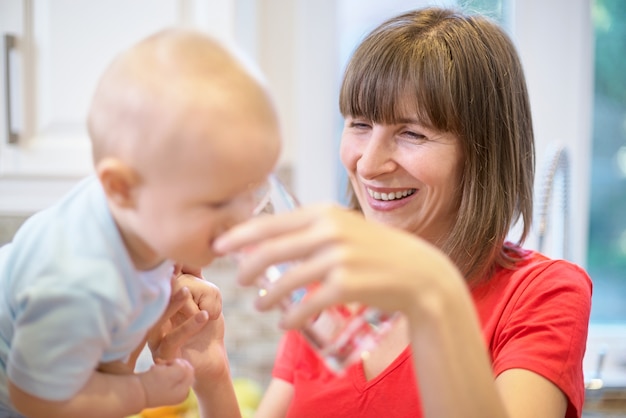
(211, 186)
(194, 132)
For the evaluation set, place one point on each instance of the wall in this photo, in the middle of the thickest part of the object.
(554, 40)
(251, 336)
(8, 227)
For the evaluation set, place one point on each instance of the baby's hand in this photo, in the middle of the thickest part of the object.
(167, 382)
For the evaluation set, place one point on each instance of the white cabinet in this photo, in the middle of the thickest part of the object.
(53, 54)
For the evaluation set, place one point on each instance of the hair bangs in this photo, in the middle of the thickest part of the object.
(396, 80)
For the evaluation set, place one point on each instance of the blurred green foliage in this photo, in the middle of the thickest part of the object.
(609, 20)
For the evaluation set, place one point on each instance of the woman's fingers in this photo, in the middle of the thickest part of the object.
(259, 228)
(298, 242)
(303, 276)
(315, 302)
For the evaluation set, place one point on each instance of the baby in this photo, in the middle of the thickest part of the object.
(182, 134)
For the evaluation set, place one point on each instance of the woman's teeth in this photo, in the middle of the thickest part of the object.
(391, 195)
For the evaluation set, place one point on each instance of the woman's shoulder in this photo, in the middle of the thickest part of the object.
(532, 266)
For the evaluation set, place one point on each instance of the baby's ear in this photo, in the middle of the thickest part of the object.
(118, 180)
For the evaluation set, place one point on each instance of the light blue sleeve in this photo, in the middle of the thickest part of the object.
(71, 297)
(60, 335)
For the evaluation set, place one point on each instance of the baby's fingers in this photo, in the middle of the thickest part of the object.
(209, 298)
(166, 347)
(167, 382)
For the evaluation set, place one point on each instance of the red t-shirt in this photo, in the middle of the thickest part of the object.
(534, 318)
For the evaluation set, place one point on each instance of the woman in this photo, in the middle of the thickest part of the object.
(438, 146)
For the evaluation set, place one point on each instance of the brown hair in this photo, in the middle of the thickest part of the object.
(465, 77)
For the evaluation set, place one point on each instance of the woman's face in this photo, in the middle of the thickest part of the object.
(404, 175)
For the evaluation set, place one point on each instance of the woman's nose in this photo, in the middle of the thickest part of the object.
(377, 156)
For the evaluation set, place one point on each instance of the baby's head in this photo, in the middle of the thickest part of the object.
(182, 132)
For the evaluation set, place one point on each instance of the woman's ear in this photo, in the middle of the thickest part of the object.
(118, 180)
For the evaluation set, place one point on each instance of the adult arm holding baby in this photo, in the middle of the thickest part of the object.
(61, 373)
(188, 313)
(107, 394)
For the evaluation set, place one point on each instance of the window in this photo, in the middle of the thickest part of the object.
(606, 255)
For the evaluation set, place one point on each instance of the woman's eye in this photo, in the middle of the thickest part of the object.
(359, 125)
(414, 135)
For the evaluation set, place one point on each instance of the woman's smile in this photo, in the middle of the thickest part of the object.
(388, 199)
(392, 195)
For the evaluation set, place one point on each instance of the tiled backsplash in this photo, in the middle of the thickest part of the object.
(251, 336)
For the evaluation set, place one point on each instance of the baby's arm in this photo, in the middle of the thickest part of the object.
(197, 335)
(113, 395)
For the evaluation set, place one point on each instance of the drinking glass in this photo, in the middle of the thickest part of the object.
(342, 334)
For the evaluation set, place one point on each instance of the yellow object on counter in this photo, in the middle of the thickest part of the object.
(186, 409)
(248, 394)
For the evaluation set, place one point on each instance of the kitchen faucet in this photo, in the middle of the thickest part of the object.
(555, 179)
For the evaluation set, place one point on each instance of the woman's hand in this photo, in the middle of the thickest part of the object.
(353, 259)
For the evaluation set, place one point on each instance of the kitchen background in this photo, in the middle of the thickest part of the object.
(573, 53)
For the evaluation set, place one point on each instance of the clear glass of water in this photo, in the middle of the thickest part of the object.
(341, 335)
